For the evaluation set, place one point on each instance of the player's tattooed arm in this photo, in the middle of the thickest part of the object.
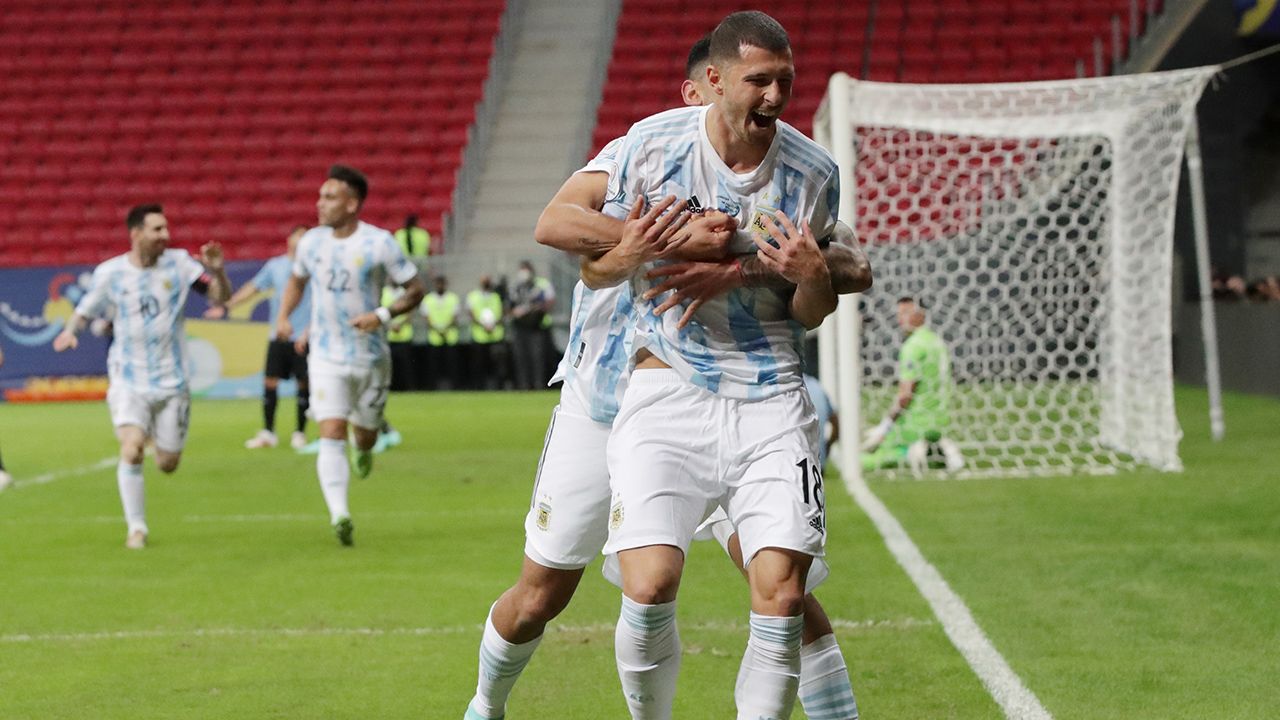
(850, 270)
(572, 221)
(645, 236)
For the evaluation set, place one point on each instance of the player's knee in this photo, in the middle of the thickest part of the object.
(270, 384)
(652, 589)
(131, 451)
(780, 601)
(542, 604)
(167, 462)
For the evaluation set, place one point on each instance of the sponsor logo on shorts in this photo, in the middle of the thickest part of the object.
(616, 516)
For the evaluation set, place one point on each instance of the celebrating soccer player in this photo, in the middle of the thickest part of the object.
(346, 263)
(145, 290)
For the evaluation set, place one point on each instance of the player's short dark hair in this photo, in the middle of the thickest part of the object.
(914, 301)
(699, 54)
(354, 179)
(137, 216)
(749, 27)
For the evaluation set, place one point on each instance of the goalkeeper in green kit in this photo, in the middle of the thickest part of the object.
(921, 413)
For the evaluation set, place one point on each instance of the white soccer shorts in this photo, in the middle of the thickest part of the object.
(568, 518)
(355, 393)
(718, 528)
(678, 451)
(164, 417)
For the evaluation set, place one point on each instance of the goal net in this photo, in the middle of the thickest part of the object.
(1035, 222)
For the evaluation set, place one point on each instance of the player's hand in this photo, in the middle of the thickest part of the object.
(211, 256)
(215, 312)
(66, 340)
(656, 233)
(366, 322)
(692, 282)
(876, 435)
(284, 329)
(797, 256)
(300, 345)
(709, 235)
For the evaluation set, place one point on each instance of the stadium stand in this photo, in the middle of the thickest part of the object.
(896, 40)
(229, 114)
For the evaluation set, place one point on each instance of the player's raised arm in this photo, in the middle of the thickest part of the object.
(219, 284)
(217, 311)
(572, 221)
(798, 259)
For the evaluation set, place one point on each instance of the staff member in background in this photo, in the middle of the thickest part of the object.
(399, 337)
(441, 307)
(531, 302)
(415, 242)
(487, 334)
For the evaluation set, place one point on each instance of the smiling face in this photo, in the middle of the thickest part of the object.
(752, 91)
(152, 237)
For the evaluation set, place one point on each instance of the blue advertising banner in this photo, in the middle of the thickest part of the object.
(1258, 17)
(226, 356)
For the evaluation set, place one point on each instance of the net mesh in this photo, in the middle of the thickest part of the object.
(1035, 223)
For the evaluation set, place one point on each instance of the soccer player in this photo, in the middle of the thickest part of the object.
(346, 262)
(921, 413)
(145, 291)
(566, 525)
(715, 413)
(285, 358)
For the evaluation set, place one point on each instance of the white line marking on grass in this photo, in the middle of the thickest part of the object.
(1004, 685)
(56, 475)
(595, 628)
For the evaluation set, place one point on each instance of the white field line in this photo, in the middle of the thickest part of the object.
(247, 517)
(1004, 685)
(901, 624)
(56, 475)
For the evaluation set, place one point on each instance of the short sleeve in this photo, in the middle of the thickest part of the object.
(301, 258)
(399, 268)
(95, 302)
(190, 270)
(265, 279)
(605, 161)
(827, 207)
(626, 182)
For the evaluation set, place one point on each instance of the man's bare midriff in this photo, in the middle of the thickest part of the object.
(646, 360)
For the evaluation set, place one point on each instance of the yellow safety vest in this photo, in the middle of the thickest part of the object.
(442, 312)
(415, 244)
(478, 301)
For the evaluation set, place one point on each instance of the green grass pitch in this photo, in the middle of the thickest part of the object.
(1141, 595)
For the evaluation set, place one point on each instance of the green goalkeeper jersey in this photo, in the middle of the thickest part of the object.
(924, 361)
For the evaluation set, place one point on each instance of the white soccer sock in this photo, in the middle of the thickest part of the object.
(335, 475)
(129, 478)
(825, 690)
(500, 666)
(770, 672)
(647, 648)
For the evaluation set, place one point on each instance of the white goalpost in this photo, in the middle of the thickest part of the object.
(1035, 222)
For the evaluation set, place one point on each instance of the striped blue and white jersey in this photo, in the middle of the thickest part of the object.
(743, 344)
(273, 276)
(148, 354)
(597, 360)
(346, 279)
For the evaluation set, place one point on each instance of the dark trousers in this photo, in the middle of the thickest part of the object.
(529, 348)
(443, 363)
(402, 367)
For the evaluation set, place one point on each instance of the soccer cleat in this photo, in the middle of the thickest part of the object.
(473, 715)
(393, 438)
(361, 462)
(136, 540)
(298, 440)
(344, 529)
(264, 439)
(6, 481)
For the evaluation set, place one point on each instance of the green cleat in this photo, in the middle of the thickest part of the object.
(361, 462)
(344, 529)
